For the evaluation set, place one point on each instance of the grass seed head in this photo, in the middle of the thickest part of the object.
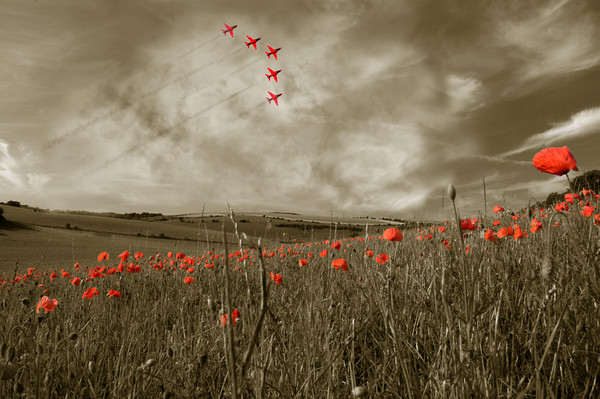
(451, 192)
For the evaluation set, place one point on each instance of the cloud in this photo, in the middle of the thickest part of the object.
(544, 42)
(583, 123)
(15, 174)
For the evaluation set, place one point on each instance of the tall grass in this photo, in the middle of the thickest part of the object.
(512, 318)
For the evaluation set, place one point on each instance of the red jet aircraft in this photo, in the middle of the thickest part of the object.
(273, 97)
(252, 42)
(272, 51)
(273, 74)
(229, 29)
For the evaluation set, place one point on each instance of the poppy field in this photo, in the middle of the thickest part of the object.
(500, 306)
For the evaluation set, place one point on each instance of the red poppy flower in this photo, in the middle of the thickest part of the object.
(556, 161)
(490, 235)
(53, 276)
(382, 258)
(561, 206)
(498, 208)
(189, 280)
(324, 253)
(234, 316)
(66, 274)
(138, 255)
(47, 304)
(209, 266)
(587, 211)
(114, 293)
(76, 281)
(180, 255)
(124, 256)
(369, 254)
(340, 263)
(442, 229)
(303, 262)
(393, 234)
(536, 225)
(90, 292)
(336, 245)
(467, 224)
(518, 233)
(505, 231)
(102, 256)
(277, 278)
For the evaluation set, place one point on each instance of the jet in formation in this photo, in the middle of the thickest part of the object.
(272, 51)
(228, 29)
(252, 42)
(273, 74)
(273, 97)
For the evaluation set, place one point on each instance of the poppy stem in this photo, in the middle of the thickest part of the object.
(229, 326)
(261, 316)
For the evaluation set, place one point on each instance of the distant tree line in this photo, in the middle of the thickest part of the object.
(135, 215)
(590, 180)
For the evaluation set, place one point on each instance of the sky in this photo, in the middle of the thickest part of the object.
(132, 106)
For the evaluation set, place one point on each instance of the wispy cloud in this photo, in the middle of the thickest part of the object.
(584, 123)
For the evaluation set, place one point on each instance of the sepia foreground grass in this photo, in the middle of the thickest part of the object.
(513, 318)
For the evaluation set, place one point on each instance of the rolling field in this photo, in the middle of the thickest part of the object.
(509, 310)
(42, 240)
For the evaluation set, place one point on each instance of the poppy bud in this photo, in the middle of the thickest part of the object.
(451, 192)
